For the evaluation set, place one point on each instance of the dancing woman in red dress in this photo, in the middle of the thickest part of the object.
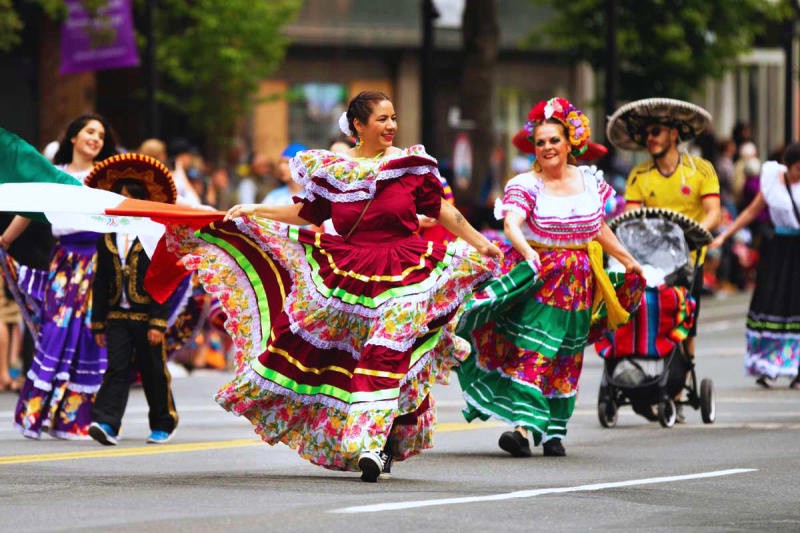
(340, 337)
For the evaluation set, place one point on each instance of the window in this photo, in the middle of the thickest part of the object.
(314, 110)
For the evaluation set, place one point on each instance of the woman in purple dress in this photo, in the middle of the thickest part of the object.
(68, 364)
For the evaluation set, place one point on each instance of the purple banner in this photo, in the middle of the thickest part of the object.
(100, 40)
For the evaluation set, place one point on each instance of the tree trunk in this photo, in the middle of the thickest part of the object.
(480, 33)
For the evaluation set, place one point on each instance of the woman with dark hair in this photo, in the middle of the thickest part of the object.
(773, 320)
(68, 364)
(342, 336)
(88, 138)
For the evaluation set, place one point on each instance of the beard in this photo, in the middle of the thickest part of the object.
(661, 153)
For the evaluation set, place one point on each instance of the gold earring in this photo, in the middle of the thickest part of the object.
(537, 166)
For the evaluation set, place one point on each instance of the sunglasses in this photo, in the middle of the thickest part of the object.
(655, 131)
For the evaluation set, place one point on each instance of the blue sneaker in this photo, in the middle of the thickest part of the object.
(159, 437)
(103, 433)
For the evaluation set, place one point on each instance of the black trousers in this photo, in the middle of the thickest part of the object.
(126, 342)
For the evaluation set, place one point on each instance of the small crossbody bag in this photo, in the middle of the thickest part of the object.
(354, 226)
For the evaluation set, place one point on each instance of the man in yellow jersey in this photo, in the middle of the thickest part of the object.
(671, 179)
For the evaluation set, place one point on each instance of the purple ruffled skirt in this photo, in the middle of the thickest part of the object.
(68, 365)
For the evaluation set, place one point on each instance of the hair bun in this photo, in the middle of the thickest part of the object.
(344, 124)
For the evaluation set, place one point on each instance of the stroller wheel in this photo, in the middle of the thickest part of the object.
(607, 412)
(667, 412)
(708, 401)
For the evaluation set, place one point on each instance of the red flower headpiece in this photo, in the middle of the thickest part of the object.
(571, 117)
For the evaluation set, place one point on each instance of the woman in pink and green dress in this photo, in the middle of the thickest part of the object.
(340, 337)
(528, 329)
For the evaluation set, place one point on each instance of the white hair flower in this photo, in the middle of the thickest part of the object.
(344, 125)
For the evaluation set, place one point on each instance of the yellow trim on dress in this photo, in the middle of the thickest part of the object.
(334, 368)
(604, 289)
(362, 277)
(305, 368)
(266, 256)
(378, 373)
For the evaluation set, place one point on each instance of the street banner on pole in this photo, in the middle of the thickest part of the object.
(98, 39)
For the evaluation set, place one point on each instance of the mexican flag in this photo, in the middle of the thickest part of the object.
(31, 186)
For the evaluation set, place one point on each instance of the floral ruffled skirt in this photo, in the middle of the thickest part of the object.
(528, 330)
(68, 365)
(337, 344)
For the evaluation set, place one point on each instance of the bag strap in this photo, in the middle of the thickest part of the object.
(791, 198)
(355, 225)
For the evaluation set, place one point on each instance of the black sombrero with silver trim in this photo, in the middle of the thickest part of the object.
(626, 126)
(696, 235)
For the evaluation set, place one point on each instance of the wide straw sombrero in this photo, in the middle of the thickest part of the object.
(524, 144)
(145, 169)
(625, 127)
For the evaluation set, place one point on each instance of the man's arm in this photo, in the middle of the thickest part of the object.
(713, 211)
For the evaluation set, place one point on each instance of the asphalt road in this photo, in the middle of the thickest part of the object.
(737, 474)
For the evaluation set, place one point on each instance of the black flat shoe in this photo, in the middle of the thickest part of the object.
(762, 382)
(795, 384)
(514, 443)
(554, 448)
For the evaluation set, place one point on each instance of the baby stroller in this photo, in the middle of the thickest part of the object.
(646, 363)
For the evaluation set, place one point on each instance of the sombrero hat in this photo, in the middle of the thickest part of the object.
(524, 144)
(149, 171)
(626, 125)
(696, 235)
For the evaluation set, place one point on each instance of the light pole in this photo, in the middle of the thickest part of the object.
(429, 14)
(612, 69)
(152, 126)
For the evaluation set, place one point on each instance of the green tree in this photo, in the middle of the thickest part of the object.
(11, 24)
(666, 47)
(211, 53)
(214, 52)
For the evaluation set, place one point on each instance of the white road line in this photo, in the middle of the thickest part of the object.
(395, 506)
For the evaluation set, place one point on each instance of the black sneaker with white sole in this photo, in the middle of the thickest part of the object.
(386, 457)
(371, 465)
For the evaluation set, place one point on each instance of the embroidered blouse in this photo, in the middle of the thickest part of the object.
(557, 220)
(774, 191)
(338, 187)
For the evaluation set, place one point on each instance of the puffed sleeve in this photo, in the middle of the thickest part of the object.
(315, 211)
(518, 198)
(770, 176)
(604, 190)
(428, 196)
